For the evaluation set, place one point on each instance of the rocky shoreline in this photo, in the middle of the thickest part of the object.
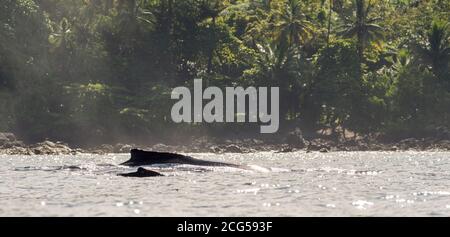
(10, 145)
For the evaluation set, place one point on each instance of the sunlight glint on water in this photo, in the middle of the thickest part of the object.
(282, 184)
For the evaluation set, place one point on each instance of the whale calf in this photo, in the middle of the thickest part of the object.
(141, 157)
(141, 172)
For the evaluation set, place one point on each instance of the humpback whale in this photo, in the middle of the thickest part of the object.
(140, 157)
(141, 172)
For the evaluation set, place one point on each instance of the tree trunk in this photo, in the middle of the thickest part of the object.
(360, 17)
(211, 52)
(329, 23)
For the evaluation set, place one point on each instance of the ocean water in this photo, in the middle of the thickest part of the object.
(279, 184)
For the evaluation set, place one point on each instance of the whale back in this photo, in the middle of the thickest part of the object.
(140, 157)
(141, 173)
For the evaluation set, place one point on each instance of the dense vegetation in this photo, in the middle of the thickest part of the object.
(102, 70)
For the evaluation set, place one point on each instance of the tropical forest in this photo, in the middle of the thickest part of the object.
(102, 71)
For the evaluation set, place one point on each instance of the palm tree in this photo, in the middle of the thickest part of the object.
(257, 13)
(436, 51)
(211, 9)
(145, 14)
(277, 69)
(270, 61)
(59, 38)
(363, 27)
(292, 28)
(60, 34)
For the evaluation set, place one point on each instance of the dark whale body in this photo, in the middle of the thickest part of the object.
(141, 172)
(140, 157)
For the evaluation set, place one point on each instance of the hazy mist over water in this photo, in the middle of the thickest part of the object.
(281, 184)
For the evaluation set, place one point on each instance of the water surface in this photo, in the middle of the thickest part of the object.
(281, 184)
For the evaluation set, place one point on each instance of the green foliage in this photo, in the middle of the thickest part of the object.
(338, 91)
(102, 70)
(435, 51)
